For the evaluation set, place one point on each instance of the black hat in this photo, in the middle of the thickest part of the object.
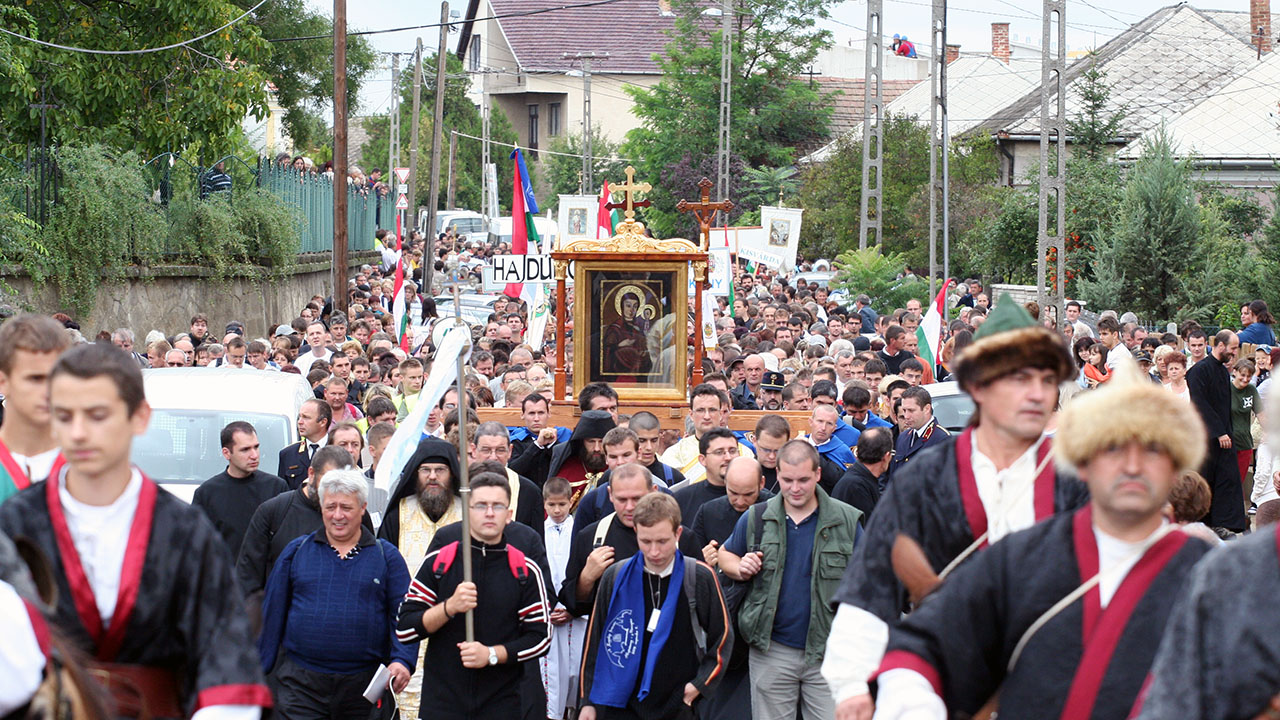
(773, 380)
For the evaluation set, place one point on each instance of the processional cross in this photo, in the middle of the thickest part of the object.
(705, 210)
(629, 189)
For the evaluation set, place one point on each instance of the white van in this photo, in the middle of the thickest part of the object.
(500, 231)
(189, 407)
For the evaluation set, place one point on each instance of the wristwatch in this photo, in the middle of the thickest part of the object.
(493, 656)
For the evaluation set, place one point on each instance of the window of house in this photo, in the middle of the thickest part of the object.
(473, 54)
(553, 119)
(533, 127)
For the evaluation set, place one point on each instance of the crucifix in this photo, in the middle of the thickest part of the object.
(705, 210)
(629, 189)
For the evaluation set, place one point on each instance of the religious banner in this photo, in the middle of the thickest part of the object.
(719, 271)
(577, 218)
(781, 233)
(760, 257)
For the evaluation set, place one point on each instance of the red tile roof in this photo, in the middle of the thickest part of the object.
(631, 31)
(849, 103)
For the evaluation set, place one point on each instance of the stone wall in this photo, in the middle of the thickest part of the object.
(165, 298)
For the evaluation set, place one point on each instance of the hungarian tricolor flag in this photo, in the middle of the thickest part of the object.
(399, 308)
(523, 208)
(929, 332)
(606, 220)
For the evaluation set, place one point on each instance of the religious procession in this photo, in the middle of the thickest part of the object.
(716, 405)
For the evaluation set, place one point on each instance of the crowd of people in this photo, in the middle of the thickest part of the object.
(1066, 553)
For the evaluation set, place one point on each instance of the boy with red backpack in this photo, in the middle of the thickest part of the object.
(481, 678)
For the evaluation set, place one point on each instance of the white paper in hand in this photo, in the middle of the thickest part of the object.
(380, 682)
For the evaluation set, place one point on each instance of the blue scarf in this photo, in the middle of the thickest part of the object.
(618, 657)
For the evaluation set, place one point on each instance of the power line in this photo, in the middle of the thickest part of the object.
(527, 13)
(548, 152)
(133, 52)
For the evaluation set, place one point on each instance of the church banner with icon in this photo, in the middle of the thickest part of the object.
(577, 218)
(779, 236)
(634, 335)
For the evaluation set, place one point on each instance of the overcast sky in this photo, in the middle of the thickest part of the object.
(1089, 24)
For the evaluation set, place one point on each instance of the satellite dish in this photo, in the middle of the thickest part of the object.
(821, 266)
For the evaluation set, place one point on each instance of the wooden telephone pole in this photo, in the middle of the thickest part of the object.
(437, 131)
(340, 155)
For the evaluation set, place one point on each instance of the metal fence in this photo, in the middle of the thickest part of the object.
(312, 194)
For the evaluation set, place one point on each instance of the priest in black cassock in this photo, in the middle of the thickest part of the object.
(145, 583)
(959, 496)
(1219, 659)
(1062, 620)
(1209, 383)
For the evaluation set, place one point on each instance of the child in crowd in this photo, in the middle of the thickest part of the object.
(1096, 372)
(560, 665)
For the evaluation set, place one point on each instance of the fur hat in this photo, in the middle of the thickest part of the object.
(1131, 408)
(1008, 341)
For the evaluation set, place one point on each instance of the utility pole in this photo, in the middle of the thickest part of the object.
(937, 150)
(872, 117)
(413, 146)
(340, 155)
(453, 156)
(437, 132)
(1052, 129)
(393, 128)
(489, 212)
(726, 82)
(588, 160)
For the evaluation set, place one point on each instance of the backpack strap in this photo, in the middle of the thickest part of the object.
(602, 529)
(666, 473)
(755, 525)
(516, 561)
(444, 559)
(691, 596)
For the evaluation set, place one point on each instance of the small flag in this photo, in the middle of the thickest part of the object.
(399, 306)
(523, 209)
(929, 332)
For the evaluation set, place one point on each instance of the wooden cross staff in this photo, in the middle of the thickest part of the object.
(705, 210)
(629, 189)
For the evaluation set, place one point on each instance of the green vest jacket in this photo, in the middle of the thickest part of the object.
(833, 541)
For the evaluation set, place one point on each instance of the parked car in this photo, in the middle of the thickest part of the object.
(951, 406)
(468, 225)
(476, 307)
(822, 277)
(500, 231)
(189, 407)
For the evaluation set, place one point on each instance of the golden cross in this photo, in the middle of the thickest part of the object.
(705, 210)
(629, 188)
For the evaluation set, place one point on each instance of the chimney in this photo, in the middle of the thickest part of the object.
(1000, 41)
(953, 53)
(1260, 25)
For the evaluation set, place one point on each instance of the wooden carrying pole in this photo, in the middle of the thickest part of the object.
(340, 155)
(464, 478)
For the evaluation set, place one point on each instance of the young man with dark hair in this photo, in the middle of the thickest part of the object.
(144, 582)
(920, 428)
(668, 612)
(599, 396)
(508, 598)
(894, 352)
(29, 346)
(535, 412)
(649, 435)
(717, 448)
(231, 497)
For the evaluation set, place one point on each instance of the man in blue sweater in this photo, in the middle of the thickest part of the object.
(331, 605)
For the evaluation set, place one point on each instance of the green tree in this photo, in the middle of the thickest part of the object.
(1097, 124)
(1155, 246)
(562, 172)
(774, 41)
(189, 98)
(302, 70)
(879, 276)
(460, 114)
(831, 192)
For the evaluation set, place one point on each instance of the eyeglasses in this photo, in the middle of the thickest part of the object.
(761, 450)
(486, 508)
(722, 452)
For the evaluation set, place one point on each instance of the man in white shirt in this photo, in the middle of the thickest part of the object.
(29, 346)
(963, 494)
(1078, 328)
(315, 338)
(1109, 335)
(145, 583)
